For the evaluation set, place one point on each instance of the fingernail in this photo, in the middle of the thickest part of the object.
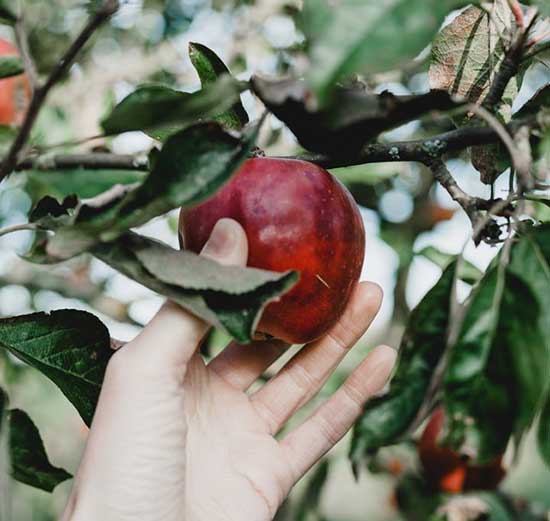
(222, 239)
(381, 361)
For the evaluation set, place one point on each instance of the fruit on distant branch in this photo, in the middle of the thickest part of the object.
(15, 92)
(447, 470)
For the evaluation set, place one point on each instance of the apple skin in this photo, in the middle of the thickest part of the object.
(15, 92)
(447, 470)
(296, 216)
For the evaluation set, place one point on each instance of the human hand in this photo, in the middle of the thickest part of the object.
(174, 439)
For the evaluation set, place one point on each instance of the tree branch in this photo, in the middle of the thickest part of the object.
(509, 66)
(108, 8)
(92, 161)
(420, 150)
(442, 175)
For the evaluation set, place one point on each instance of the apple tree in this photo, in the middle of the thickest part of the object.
(457, 74)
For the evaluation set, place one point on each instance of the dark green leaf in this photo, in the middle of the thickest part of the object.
(387, 418)
(368, 36)
(309, 502)
(495, 376)
(210, 67)
(155, 107)
(10, 66)
(29, 461)
(231, 298)
(530, 261)
(70, 347)
(468, 272)
(353, 117)
(192, 165)
(543, 435)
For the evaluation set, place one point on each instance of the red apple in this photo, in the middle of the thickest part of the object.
(297, 216)
(15, 92)
(448, 470)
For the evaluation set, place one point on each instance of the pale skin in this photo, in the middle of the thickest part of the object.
(174, 439)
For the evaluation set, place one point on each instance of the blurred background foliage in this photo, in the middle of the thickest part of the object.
(404, 212)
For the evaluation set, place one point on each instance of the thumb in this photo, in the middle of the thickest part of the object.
(227, 244)
(174, 333)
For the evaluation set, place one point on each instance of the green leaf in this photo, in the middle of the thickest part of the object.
(228, 297)
(367, 36)
(352, 118)
(83, 183)
(468, 272)
(387, 418)
(154, 107)
(311, 497)
(210, 67)
(70, 347)
(530, 261)
(496, 374)
(192, 165)
(29, 461)
(10, 66)
(543, 434)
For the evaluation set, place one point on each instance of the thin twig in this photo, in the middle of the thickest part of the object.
(22, 41)
(73, 286)
(40, 94)
(70, 143)
(17, 228)
(521, 157)
(441, 174)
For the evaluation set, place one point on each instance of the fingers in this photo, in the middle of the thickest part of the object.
(241, 365)
(174, 334)
(320, 432)
(302, 377)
